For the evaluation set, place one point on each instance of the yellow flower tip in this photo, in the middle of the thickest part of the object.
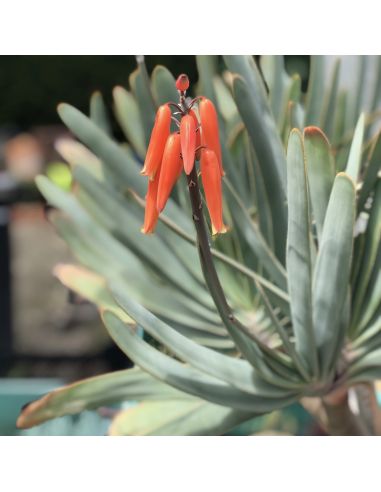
(223, 230)
(143, 230)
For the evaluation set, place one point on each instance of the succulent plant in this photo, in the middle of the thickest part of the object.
(285, 307)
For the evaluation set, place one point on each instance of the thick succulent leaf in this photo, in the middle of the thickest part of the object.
(127, 114)
(141, 87)
(268, 149)
(236, 372)
(321, 173)
(89, 285)
(272, 67)
(298, 258)
(315, 91)
(207, 69)
(124, 169)
(262, 199)
(370, 362)
(330, 102)
(355, 153)
(77, 154)
(332, 268)
(99, 251)
(183, 377)
(371, 250)
(339, 121)
(373, 298)
(226, 103)
(255, 239)
(91, 393)
(98, 112)
(112, 212)
(193, 417)
(371, 171)
(163, 85)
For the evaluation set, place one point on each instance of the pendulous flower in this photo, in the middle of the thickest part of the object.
(210, 133)
(170, 170)
(160, 133)
(151, 213)
(211, 181)
(188, 142)
(168, 153)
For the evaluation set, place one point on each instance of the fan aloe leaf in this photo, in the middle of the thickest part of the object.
(272, 163)
(372, 246)
(98, 112)
(372, 169)
(91, 393)
(177, 418)
(354, 160)
(330, 102)
(332, 269)
(315, 91)
(127, 114)
(183, 377)
(236, 372)
(163, 85)
(321, 173)
(298, 257)
(77, 154)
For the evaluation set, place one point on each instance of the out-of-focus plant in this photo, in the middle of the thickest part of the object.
(285, 307)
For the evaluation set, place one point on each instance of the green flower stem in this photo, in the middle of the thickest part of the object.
(212, 280)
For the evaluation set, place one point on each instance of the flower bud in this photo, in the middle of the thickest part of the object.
(188, 142)
(209, 126)
(182, 82)
(170, 170)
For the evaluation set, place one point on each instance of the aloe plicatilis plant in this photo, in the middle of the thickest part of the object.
(283, 308)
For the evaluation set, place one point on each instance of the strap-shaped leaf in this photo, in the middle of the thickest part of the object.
(141, 88)
(112, 212)
(321, 173)
(99, 251)
(89, 285)
(127, 114)
(98, 112)
(371, 250)
(371, 171)
(124, 169)
(332, 268)
(255, 239)
(183, 377)
(298, 257)
(91, 393)
(236, 372)
(77, 154)
(355, 153)
(315, 91)
(330, 102)
(163, 85)
(193, 417)
(252, 103)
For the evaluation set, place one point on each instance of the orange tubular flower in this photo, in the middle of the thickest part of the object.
(170, 170)
(209, 124)
(211, 180)
(188, 142)
(157, 142)
(151, 214)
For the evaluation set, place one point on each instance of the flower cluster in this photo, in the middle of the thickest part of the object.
(196, 138)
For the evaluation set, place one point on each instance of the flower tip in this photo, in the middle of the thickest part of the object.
(182, 82)
(223, 230)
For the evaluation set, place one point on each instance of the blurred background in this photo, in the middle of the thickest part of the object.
(45, 331)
